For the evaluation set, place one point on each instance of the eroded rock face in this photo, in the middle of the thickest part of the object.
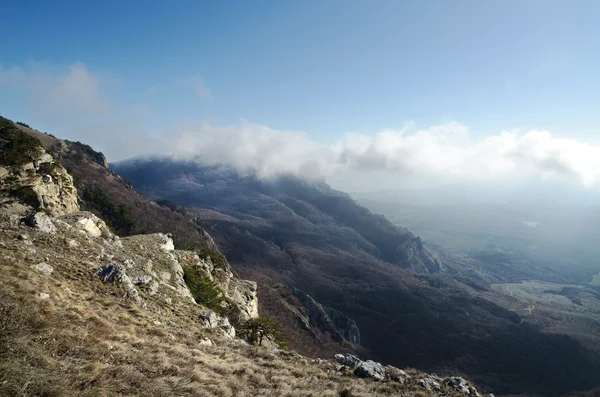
(336, 323)
(42, 184)
(243, 293)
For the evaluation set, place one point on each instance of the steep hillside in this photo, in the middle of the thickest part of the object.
(288, 233)
(85, 312)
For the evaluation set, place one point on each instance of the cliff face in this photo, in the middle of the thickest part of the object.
(41, 183)
(326, 319)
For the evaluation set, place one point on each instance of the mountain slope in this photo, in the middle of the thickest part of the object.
(84, 312)
(288, 233)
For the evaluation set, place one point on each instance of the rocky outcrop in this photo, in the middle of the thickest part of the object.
(419, 258)
(334, 322)
(42, 184)
(370, 369)
(352, 366)
(40, 221)
(242, 293)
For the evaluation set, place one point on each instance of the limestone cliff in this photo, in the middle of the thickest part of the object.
(41, 183)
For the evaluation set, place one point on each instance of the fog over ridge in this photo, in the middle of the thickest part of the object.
(77, 104)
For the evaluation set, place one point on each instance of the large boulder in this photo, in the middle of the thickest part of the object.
(117, 274)
(370, 369)
(40, 221)
(396, 374)
(348, 360)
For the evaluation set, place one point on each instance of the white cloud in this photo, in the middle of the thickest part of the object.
(58, 97)
(75, 103)
(445, 151)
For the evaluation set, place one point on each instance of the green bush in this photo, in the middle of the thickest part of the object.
(255, 330)
(218, 259)
(17, 147)
(205, 291)
(83, 149)
(23, 124)
(48, 169)
(27, 196)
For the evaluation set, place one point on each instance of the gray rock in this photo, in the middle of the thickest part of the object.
(340, 358)
(153, 288)
(348, 360)
(43, 268)
(40, 221)
(396, 374)
(459, 384)
(431, 384)
(370, 369)
(206, 342)
(72, 243)
(112, 274)
(141, 280)
(43, 296)
(209, 319)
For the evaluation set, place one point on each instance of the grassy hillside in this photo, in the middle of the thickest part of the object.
(308, 236)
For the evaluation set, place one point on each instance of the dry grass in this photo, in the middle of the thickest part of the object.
(87, 340)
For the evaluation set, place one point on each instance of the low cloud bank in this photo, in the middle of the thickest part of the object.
(73, 103)
(442, 151)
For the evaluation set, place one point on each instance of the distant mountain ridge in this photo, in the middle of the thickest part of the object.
(407, 307)
(286, 201)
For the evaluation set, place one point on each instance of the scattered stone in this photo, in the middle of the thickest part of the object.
(47, 179)
(459, 384)
(153, 288)
(396, 374)
(370, 369)
(40, 221)
(72, 243)
(206, 342)
(209, 319)
(43, 296)
(141, 280)
(90, 227)
(430, 384)
(167, 243)
(348, 360)
(43, 268)
(112, 274)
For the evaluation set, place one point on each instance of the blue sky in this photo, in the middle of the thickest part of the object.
(322, 67)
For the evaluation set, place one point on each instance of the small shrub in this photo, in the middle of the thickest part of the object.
(173, 206)
(18, 147)
(48, 169)
(218, 259)
(255, 330)
(23, 124)
(83, 149)
(205, 291)
(26, 195)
